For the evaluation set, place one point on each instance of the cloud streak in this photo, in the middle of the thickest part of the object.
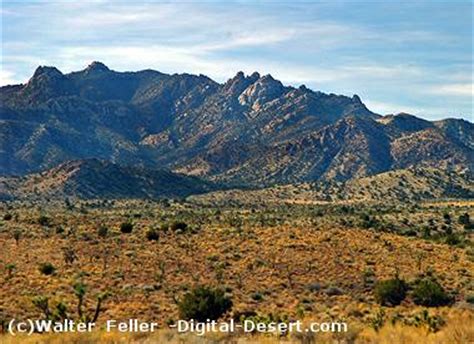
(389, 56)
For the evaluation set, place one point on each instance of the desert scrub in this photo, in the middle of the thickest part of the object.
(43, 220)
(204, 303)
(47, 269)
(178, 225)
(152, 234)
(390, 292)
(126, 227)
(429, 293)
(10, 268)
(103, 231)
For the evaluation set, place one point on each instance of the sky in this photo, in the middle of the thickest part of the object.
(404, 56)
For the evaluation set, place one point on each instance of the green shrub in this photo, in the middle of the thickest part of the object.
(126, 227)
(178, 225)
(152, 235)
(429, 293)
(44, 220)
(7, 217)
(390, 292)
(204, 303)
(102, 231)
(470, 299)
(453, 240)
(257, 296)
(47, 269)
(464, 219)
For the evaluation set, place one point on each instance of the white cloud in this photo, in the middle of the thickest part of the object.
(464, 89)
(7, 77)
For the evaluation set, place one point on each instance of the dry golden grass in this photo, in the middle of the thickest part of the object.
(279, 262)
(459, 330)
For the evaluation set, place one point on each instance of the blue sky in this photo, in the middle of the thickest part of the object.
(407, 56)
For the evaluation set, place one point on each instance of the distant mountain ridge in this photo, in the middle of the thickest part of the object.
(250, 130)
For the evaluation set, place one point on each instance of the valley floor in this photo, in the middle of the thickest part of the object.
(279, 261)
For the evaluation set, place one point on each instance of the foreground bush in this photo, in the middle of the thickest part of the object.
(152, 235)
(204, 303)
(178, 225)
(430, 293)
(47, 269)
(126, 227)
(391, 292)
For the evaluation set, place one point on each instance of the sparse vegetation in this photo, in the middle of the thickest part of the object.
(296, 260)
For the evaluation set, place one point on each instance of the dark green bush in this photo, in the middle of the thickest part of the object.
(470, 299)
(126, 227)
(453, 239)
(47, 269)
(204, 303)
(257, 296)
(43, 220)
(7, 217)
(429, 293)
(152, 235)
(390, 292)
(464, 219)
(178, 225)
(102, 231)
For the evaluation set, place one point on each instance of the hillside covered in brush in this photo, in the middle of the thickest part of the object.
(93, 178)
(406, 186)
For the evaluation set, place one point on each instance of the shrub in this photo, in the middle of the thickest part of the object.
(333, 291)
(453, 240)
(47, 269)
(390, 292)
(102, 231)
(429, 293)
(43, 220)
(7, 217)
(17, 235)
(257, 296)
(152, 234)
(470, 299)
(464, 219)
(204, 303)
(178, 225)
(126, 227)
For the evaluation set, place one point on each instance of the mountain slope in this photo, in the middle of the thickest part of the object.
(250, 130)
(94, 178)
(406, 185)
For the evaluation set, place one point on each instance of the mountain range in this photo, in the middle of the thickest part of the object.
(251, 130)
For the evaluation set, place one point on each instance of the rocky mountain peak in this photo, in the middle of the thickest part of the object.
(239, 83)
(46, 82)
(261, 91)
(97, 66)
(46, 71)
(356, 99)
